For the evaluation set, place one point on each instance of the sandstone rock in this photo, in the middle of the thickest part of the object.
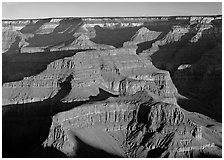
(82, 42)
(8, 37)
(111, 101)
(173, 36)
(165, 125)
(48, 28)
(142, 35)
(90, 71)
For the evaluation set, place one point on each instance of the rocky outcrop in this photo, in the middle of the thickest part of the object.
(8, 38)
(48, 27)
(173, 36)
(142, 35)
(194, 28)
(159, 84)
(111, 101)
(81, 42)
(115, 71)
(55, 31)
(164, 125)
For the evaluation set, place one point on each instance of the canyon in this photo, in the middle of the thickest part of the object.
(112, 87)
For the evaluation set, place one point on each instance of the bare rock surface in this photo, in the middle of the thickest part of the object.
(136, 130)
(118, 71)
(142, 35)
(112, 87)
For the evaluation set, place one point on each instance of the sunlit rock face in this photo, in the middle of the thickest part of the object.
(112, 87)
(137, 130)
(142, 35)
(118, 71)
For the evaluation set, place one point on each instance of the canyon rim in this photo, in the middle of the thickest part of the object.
(126, 87)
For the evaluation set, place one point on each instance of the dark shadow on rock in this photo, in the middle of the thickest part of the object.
(22, 135)
(165, 26)
(27, 64)
(207, 155)
(172, 55)
(38, 152)
(32, 27)
(193, 105)
(209, 125)
(26, 126)
(146, 138)
(47, 152)
(165, 56)
(143, 113)
(148, 44)
(159, 26)
(14, 48)
(68, 26)
(64, 91)
(115, 37)
(155, 153)
(103, 95)
(201, 55)
(18, 66)
(87, 151)
(51, 106)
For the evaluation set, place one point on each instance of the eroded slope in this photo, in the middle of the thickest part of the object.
(111, 102)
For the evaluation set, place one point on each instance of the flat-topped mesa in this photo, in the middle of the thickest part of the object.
(56, 31)
(119, 99)
(131, 122)
(48, 27)
(88, 71)
(197, 26)
(114, 19)
(121, 22)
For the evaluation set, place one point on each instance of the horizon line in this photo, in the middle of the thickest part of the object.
(193, 15)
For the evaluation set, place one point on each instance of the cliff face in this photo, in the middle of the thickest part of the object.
(112, 87)
(118, 71)
(198, 46)
(139, 129)
(29, 36)
(142, 35)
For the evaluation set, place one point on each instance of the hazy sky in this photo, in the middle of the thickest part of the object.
(13, 10)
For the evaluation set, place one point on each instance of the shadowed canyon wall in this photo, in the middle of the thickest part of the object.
(112, 87)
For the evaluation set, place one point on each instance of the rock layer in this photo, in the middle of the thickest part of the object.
(106, 101)
(117, 71)
(138, 128)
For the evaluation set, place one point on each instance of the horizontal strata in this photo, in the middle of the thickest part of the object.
(81, 31)
(103, 19)
(96, 114)
(138, 127)
(114, 117)
(86, 116)
(117, 71)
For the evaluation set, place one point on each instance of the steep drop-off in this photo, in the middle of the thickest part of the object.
(98, 87)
